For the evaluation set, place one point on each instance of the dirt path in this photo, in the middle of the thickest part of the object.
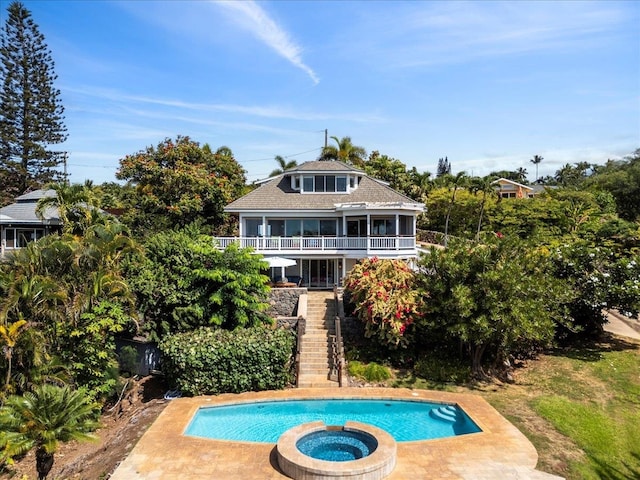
(121, 430)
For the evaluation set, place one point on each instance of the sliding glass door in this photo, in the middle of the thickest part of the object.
(319, 273)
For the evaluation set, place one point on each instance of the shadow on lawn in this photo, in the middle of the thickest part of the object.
(609, 472)
(591, 351)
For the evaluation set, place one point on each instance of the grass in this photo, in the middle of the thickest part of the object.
(580, 408)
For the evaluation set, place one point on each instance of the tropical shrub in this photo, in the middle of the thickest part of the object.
(70, 291)
(494, 298)
(371, 372)
(184, 282)
(385, 299)
(212, 361)
(43, 418)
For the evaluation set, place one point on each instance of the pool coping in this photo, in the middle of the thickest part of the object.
(375, 466)
(165, 452)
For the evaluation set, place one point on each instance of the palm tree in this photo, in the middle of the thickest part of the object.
(345, 151)
(284, 165)
(485, 186)
(521, 175)
(42, 419)
(536, 161)
(9, 335)
(73, 202)
(458, 181)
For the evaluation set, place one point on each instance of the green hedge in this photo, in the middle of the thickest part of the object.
(212, 361)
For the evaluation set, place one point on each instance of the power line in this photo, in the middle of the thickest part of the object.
(283, 156)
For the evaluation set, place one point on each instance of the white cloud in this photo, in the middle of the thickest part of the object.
(269, 111)
(435, 33)
(253, 18)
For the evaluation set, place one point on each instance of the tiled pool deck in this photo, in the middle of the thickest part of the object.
(500, 451)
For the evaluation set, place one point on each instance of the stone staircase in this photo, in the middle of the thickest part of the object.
(316, 346)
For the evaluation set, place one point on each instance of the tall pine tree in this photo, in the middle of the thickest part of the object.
(444, 167)
(31, 115)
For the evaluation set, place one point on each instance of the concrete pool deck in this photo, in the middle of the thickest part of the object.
(499, 451)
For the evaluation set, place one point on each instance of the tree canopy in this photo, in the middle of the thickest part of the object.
(179, 182)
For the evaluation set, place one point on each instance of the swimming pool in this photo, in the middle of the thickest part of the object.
(265, 421)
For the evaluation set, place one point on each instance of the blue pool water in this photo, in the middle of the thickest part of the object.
(265, 421)
(337, 445)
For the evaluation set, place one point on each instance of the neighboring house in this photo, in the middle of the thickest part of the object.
(326, 215)
(506, 188)
(20, 225)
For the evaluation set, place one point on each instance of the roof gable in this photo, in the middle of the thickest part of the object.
(502, 181)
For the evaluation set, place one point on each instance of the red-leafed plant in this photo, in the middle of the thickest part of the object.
(385, 299)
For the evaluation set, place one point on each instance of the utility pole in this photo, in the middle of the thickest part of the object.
(66, 179)
(325, 137)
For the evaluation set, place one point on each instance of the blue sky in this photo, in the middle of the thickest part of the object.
(487, 84)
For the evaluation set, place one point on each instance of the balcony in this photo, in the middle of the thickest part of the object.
(328, 245)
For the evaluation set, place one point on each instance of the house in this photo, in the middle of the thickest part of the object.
(509, 189)
(20, 225)
(326, 215)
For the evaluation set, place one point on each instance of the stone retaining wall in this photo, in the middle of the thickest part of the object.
(283, 302)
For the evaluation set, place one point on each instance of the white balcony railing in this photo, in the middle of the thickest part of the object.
(323, 244)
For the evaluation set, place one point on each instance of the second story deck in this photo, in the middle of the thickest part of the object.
(324, 244)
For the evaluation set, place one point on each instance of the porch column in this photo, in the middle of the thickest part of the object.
(397, 231)
(414, 219)
(368, 232)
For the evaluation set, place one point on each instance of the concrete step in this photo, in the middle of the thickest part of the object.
(314, 351)
(315, 372)
(316, 334)
(318, 384)
(314, 359)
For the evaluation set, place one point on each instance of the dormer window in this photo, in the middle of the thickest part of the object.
(324, 183)
(307, 184)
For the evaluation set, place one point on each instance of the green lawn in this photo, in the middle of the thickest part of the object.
(579, 407)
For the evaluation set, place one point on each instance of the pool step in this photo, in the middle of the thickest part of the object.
(446, 413)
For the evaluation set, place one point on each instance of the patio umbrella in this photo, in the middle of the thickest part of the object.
(280, 262)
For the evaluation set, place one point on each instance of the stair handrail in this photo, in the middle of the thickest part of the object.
(300, 331)
(338, 350)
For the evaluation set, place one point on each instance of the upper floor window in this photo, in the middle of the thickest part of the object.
(324, 183)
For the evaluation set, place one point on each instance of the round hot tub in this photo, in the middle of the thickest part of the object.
(337, 445)
(316, 451)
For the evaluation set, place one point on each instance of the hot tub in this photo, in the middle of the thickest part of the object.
(315, 451)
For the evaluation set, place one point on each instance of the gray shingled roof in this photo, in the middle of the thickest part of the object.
(277, 194)
(324, 166)
(36, 195)
(24, 210)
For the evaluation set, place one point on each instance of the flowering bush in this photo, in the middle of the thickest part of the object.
(598, 278)
(385, 299)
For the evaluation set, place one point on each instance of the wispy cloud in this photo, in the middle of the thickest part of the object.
(434, 33)
(269, 111)
(253, 18)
